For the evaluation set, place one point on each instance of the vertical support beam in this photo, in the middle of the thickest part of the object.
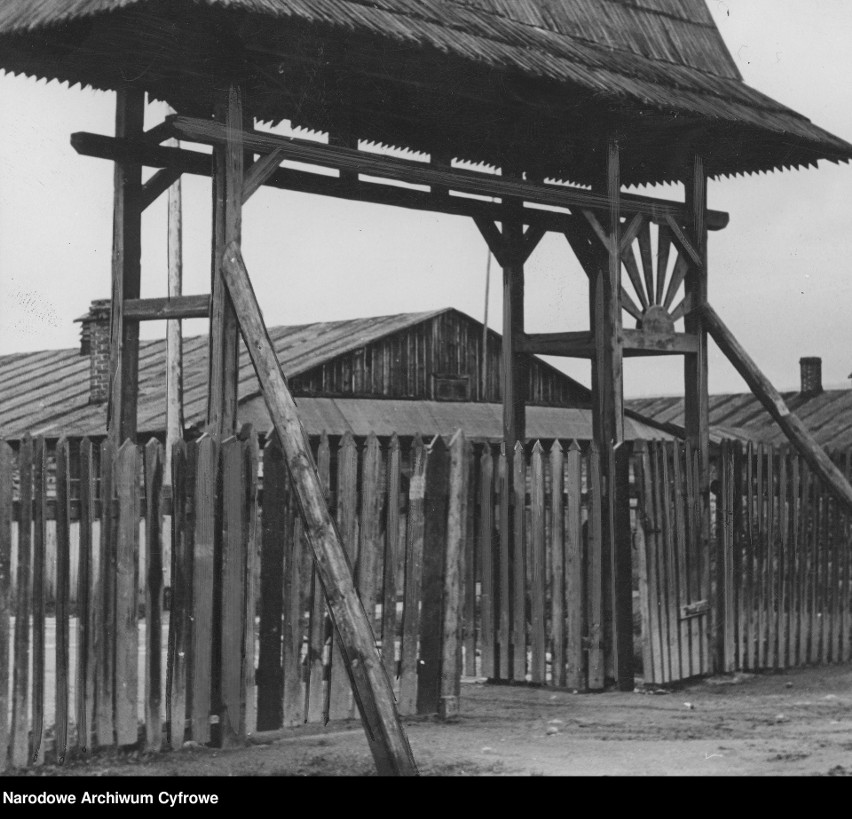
(608, 410)
(126, 272)
(514, 376)
(228, 171)
(695, 369)
(174, 342)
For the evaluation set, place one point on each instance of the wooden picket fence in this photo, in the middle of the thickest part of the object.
(783, 577)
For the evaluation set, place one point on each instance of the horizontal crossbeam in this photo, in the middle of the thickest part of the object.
(420, 173)
(635, 343)
(175, 307)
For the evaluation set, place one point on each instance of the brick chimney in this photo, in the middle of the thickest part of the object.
(94, 342)
(811, 375)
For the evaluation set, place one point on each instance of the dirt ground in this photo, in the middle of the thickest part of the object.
(793, 723)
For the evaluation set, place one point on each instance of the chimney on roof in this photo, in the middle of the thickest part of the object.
(94, 342)
(811, 375)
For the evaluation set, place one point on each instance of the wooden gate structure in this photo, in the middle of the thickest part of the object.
(580, 98)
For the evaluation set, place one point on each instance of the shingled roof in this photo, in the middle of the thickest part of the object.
(541, 79)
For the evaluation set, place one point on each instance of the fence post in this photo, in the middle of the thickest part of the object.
(448, 707)
(6, 467)
(621, 565)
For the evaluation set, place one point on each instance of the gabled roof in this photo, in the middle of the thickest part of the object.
(433, 71)
(827, 415)
(47, 392)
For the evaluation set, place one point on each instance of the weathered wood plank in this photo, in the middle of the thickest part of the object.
(85, 604)
(20, 733)
(6, 637)
(772, 531)
(340, 700)
(206, 514)
(294, 697)
(519, 565)
(370, 548)
(251, 456)
(434, 569)
(575, 578)
(470, 568)
(488, 598)
(270, 679)
(317, 706)
(105, 680)
(728, 567)
(680, 539)
(750, 553)
(621, 545)
(670, 587)
(413, 578)
(645, 535)
(760, 567)
(232, 713)
(537, 588)
(62, 614)
(153, 595)
(818, 504)
(800, 589)
(178, 673)
(38, 601)
(451, 647)
(783, 559)
(594, 554)
(504, 494)
(658, 488)
(126, 586)
(557, 564)
(391, 559)
(693, 552)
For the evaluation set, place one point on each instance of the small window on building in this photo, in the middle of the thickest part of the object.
(452, 387)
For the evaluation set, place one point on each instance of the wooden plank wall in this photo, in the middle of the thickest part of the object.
(784, 586)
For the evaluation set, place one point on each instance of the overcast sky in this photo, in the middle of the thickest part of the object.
(779, 275)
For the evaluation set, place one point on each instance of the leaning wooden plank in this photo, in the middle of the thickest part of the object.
(180, 624)
(538, 620)
(391, 560)
(448, 707)
(6, 478)
(206, 501)
(20, 750)
(434, 566)
(594, 562)
(231, 716)
(270, 681)
(317, 707)
(575, 577)
(374, 694)
(644, 533)
(519, 566)
(413, 578)
(38, 591)
(486, 549)
(792, 427)
(86, 658)
(557, 564)
(127, 559)
(341, 705)
(504, 496)
(62, 619)
(105, 679)
(153, 595)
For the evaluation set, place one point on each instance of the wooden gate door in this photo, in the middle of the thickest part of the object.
(672, 532)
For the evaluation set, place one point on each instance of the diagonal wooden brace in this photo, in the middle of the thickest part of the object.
(370, 683)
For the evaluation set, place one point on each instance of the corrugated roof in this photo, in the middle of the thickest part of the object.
(642, 58)
(828, 416)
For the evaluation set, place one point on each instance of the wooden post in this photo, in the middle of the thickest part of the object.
(372, 688)
(448, 707)
(228, 172)
(126, 271)
(695, 368)
(174, 351)
(513, 371)
(607, 389)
